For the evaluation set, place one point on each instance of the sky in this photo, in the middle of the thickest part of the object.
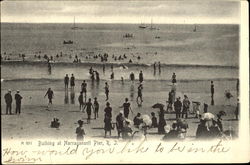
(213, 11)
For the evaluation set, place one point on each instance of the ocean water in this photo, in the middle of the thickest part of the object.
(178, 44)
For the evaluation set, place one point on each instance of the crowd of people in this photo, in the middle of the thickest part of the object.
(208, 128)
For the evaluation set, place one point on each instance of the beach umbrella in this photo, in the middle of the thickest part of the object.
(147, 120)
(158, 105)
(207, 116)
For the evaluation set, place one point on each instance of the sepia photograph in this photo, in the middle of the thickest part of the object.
(99, 81)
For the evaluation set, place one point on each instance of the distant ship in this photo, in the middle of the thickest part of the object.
(74, 26)
(142, 26)
(68, 42)
(152, 27)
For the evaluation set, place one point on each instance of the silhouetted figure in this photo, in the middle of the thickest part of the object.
(159, 64)
(174, 78)
(154, 120)
(126, 108)
(72, 81)
(212, 92)
(112, 76)
(132, 76)
(177, 107)
(80, 100)
(140, 77)
(96, 107)
(97, 76)
(107, 119)
(237, 110)
(140, 87)
(8, 101)
(50, 94)
(237, 86)
(66, 81)
(119, 123)
(66, 97)
(89, 105)
(186, 105)
(205, 108)
(162, 122)
(137, 120)
(106, 90)
(18, 99)
(84, 89)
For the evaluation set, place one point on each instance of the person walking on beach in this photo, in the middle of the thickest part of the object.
(97, 76)
(140, 87)
(89, 105)
(18, 99)
(141, 77)
(154, 68)
(8, 101)
(186, 105)
(80, 99)
(96, 107)
(50, 94)
(84, 89)
(177, 107)
(66, 81)
(80, 131)
(126, 108)
(106, 90)
(174, 78)
(72, 82)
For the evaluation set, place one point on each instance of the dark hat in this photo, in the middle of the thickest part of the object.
(80, 122)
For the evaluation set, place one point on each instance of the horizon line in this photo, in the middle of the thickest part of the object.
(118, 23)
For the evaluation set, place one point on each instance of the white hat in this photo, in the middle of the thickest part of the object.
(121, 112)
(9, 90)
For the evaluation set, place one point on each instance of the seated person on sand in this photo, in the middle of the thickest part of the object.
(127, 131)
(171, 134)
(154, 120)
(137, 120)
(80, 131)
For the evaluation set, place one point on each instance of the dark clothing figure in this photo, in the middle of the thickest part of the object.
(174, 78)
(141, 77)
(108, 112)
(18, 99)
(66, 81)
(177, 108)
(88, 109)
(186, 105)
(80, 99)
(212, 90)
(154, 122)
(202, 131)
(132, 77)
(50, 95)
(97, 76)
(162, 122)
(107, 125)
(96, 108)
(107, 91)
(236, 112)
(219, 122)
(137, 121)
(72, 82)
(8, 101)
(84, 87)
(126, 109)
(139, 93)
(119, 123)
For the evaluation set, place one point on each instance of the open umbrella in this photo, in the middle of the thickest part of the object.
(207, 116)
(158, 105)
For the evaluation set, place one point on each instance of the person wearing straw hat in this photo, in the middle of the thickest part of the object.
(8, 101)
(18, 99)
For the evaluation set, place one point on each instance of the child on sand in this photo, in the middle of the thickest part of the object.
(80, 131)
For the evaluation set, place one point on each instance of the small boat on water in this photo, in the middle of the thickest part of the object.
(68, 42)
(142, 26)
(157, 37)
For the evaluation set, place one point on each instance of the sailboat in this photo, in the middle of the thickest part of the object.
(142, 26)
(152, 27)
(74, 26)
(194, 28)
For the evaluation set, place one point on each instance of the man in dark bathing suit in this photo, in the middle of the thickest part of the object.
(89, 105)
(127, 108)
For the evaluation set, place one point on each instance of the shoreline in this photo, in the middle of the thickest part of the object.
(19, 62)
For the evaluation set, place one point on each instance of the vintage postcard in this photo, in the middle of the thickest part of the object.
(124, 81)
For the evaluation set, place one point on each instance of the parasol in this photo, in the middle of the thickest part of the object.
(207, 116)
(158, 105)
(146, 120)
